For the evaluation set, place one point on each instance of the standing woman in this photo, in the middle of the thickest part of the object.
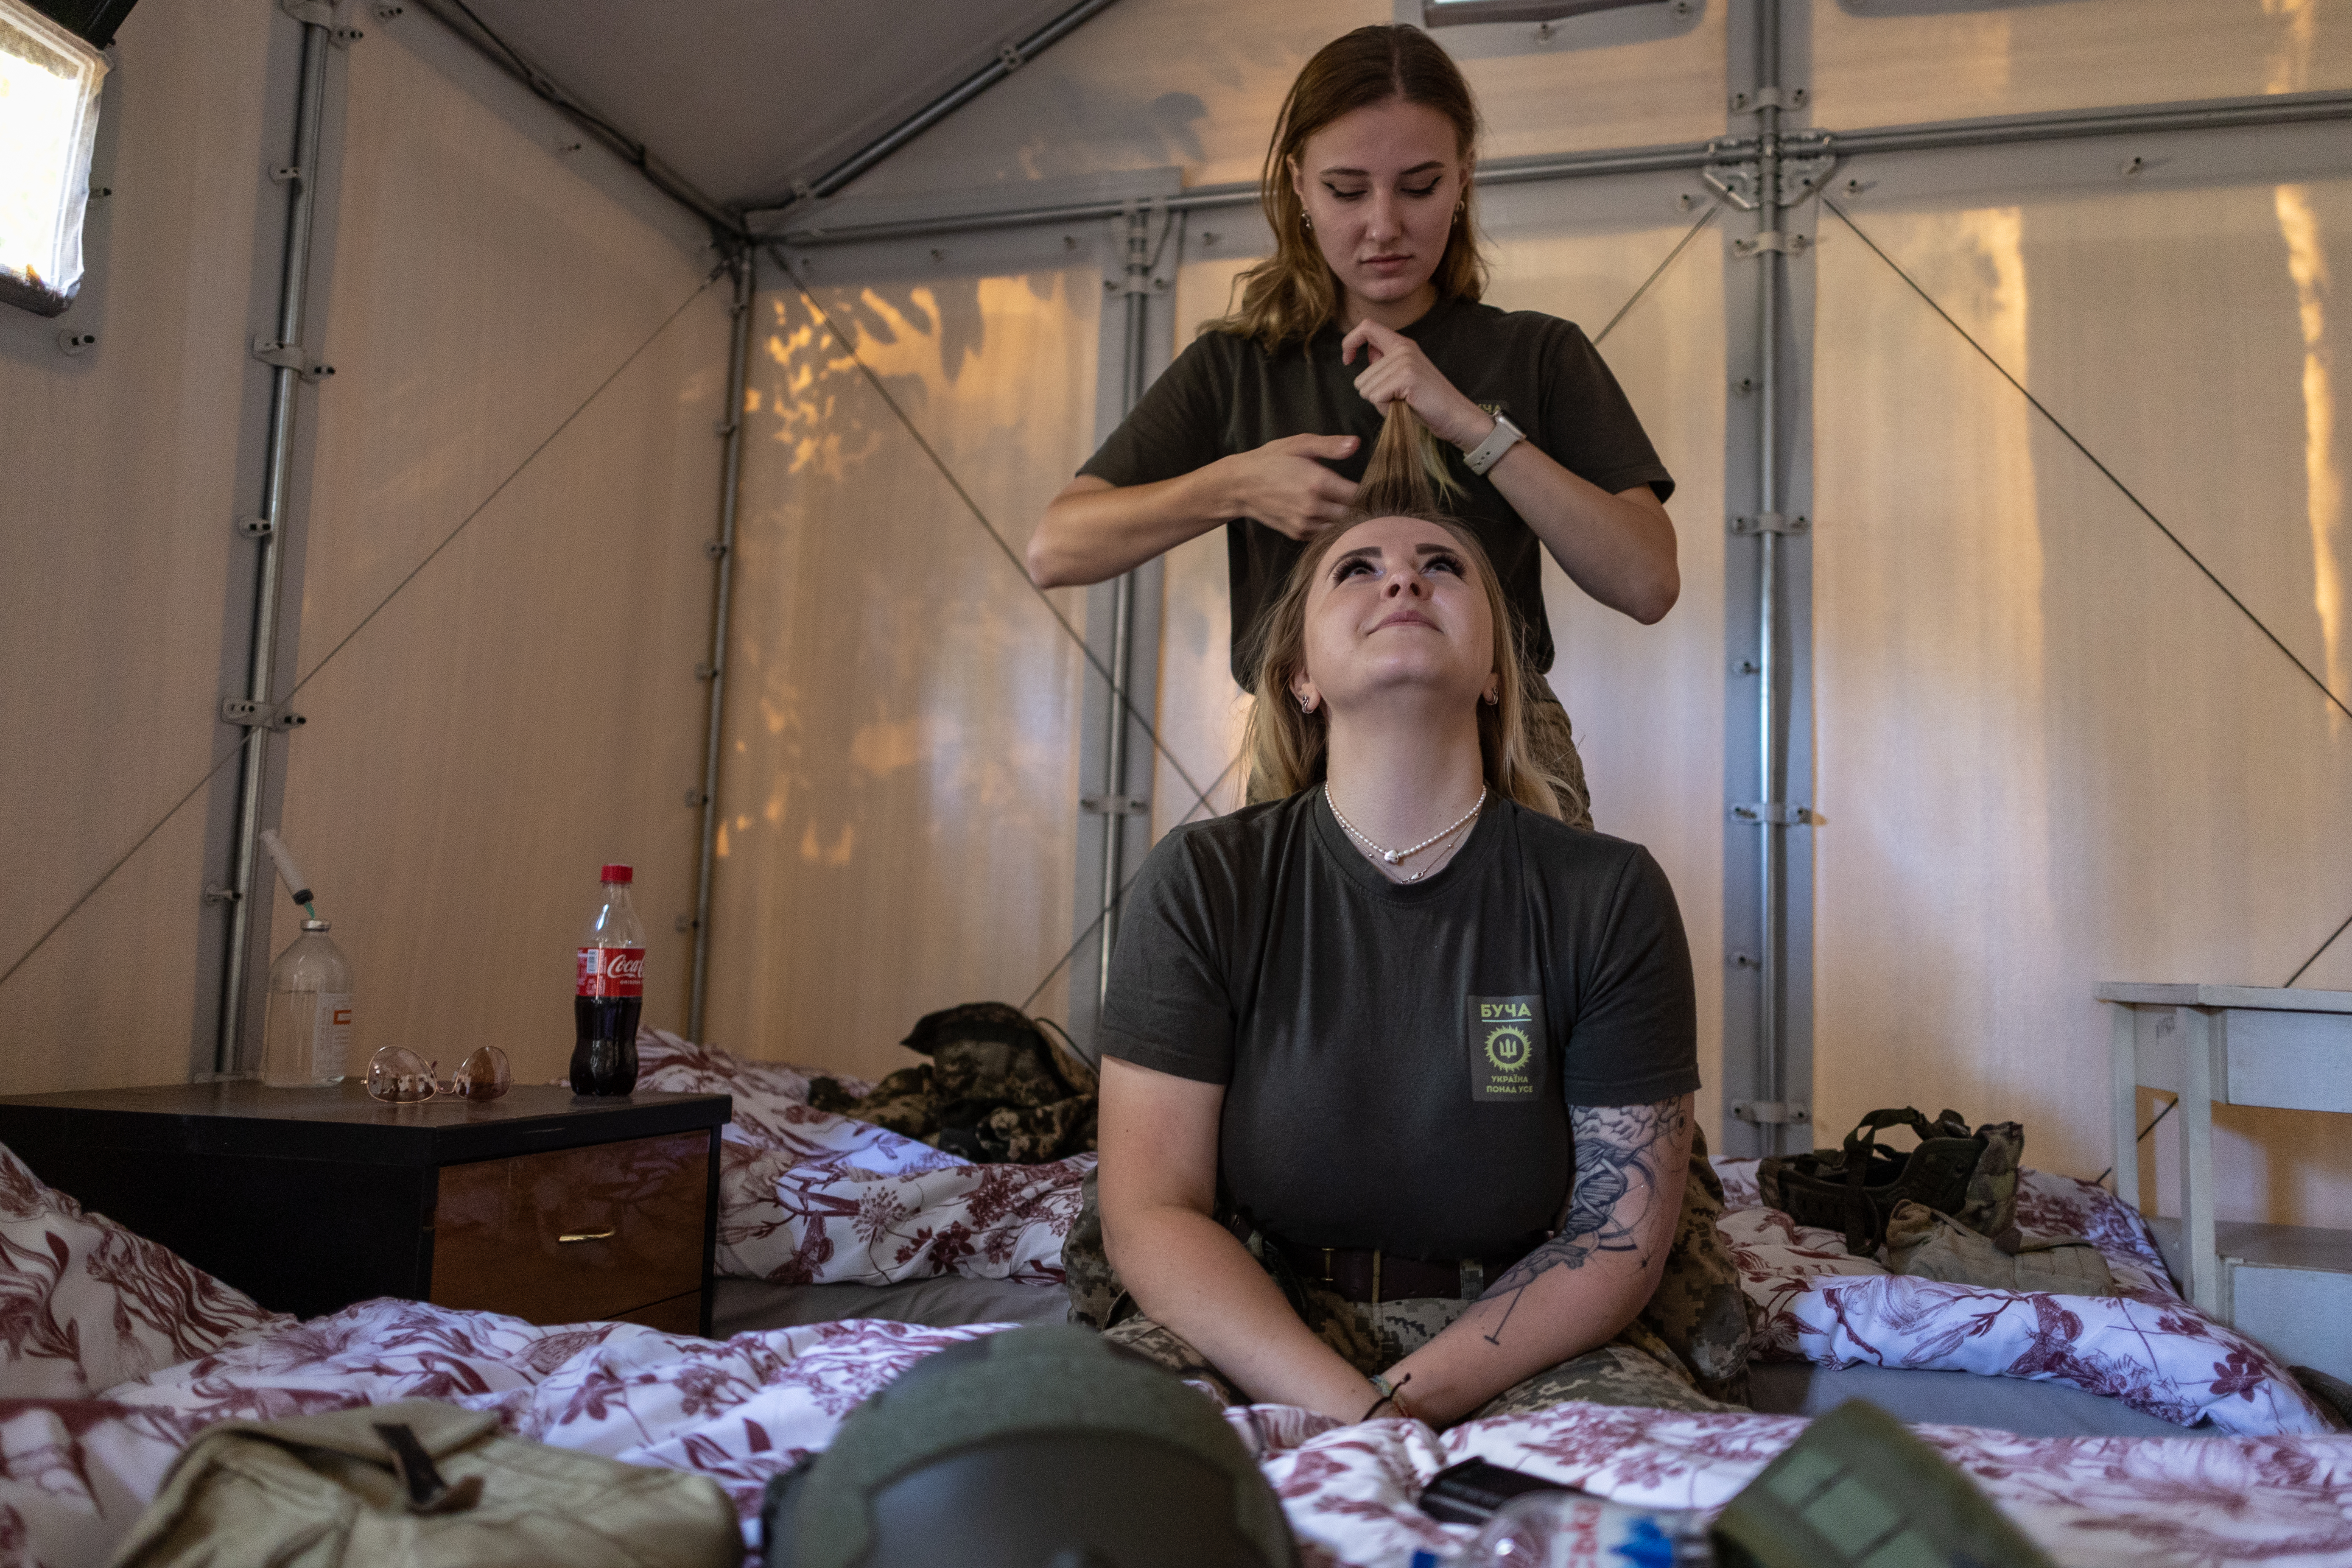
(1264, 423)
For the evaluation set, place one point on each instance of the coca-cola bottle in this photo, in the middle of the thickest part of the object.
(611, 993)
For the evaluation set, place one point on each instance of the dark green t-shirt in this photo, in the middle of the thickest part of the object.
(1399, 1059)
(1225, 394)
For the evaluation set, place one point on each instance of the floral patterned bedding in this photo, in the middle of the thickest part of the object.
(76, 1471)
(809, 1198)
(114, 1352)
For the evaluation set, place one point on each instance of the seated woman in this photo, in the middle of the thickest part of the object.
(1398, 1067)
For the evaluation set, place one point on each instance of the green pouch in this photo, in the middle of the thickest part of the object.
(1859, 1489)
(1972, 1176)
(421, 1485)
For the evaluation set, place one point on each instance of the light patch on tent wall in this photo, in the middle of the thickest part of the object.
(48, 121)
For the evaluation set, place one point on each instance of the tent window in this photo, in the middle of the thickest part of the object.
(48, 120)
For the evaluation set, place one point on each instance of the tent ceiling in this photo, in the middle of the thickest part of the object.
(746, 97)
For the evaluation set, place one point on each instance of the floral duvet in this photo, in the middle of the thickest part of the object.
(114, 1352)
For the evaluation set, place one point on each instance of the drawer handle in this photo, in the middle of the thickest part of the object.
(568, 1237)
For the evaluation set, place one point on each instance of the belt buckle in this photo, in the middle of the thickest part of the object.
(1474, 1278)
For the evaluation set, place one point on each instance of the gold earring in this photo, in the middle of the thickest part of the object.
(1494, 698)
(1306, 222)
(1306, 703)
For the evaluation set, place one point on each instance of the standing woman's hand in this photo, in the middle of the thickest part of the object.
(1397, 370)
(1284, 485)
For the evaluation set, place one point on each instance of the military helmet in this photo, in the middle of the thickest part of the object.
(1043, 1447)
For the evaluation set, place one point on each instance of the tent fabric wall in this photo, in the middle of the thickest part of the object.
(121, 477)
(456, 784)
(2052, 752)
(1894, 62)
(1197, 83)
(526, 708)
(900, 750)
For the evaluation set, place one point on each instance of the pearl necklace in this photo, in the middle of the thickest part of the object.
(1396, 856)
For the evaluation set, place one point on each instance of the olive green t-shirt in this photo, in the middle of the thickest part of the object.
(1225, 394)
(1399, 1059)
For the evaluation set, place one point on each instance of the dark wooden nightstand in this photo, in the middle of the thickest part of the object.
(538, 1204)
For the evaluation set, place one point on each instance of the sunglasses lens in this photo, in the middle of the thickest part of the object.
(483, 1076)
(398, 1076)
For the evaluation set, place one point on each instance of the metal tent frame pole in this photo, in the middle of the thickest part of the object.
(2280, 108)
(258, 712)
(722, 553)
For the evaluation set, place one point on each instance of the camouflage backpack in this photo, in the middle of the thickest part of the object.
(1972, 1176)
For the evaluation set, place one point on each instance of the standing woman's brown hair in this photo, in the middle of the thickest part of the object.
(1286, 298)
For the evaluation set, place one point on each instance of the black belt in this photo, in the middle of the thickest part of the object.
(1371, 1276)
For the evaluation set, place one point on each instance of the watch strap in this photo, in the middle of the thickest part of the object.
(1499, 440)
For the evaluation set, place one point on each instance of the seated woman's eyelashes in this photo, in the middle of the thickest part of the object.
(1357, 564)
(1350, 195)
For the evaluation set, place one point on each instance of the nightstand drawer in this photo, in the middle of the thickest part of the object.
(574, 1233)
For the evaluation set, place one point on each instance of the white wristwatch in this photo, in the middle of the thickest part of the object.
(1499, 440)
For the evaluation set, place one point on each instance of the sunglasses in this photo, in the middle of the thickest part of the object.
(398, 1076)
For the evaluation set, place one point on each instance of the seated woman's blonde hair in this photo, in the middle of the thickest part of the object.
(1289, 751)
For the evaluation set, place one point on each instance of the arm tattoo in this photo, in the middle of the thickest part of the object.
(1623, 1155)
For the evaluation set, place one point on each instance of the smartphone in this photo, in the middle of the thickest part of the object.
(1470, 1492)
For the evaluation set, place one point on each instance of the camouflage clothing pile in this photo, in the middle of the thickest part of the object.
(997, 1090)
(1688, 1350)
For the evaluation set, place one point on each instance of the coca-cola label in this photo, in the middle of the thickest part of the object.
(611, 972)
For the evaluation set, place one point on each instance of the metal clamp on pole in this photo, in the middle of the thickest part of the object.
(1772, 1113)
(319, 14)
(250, 715)
(1113, 805)
(1778, 813)
(1769, 522)
(1770, 240)
(289, 356)
(1734, 183)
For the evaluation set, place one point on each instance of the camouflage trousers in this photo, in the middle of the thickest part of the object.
(1552, 740)
(1374, 1338)
(1686, 1349)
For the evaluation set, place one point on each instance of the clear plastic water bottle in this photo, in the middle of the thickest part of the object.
(306, 1031)
(1568, 1529)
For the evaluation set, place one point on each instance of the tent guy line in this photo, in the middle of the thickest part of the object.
(1104, 913)
(2140, 505)
(1658, 271)
(2108, 474)
(237, 749)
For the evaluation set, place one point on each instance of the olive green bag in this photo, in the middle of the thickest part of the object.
(1972, 1176)
(421, 1485)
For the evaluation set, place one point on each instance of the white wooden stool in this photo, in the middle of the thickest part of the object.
(2290, 1287)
